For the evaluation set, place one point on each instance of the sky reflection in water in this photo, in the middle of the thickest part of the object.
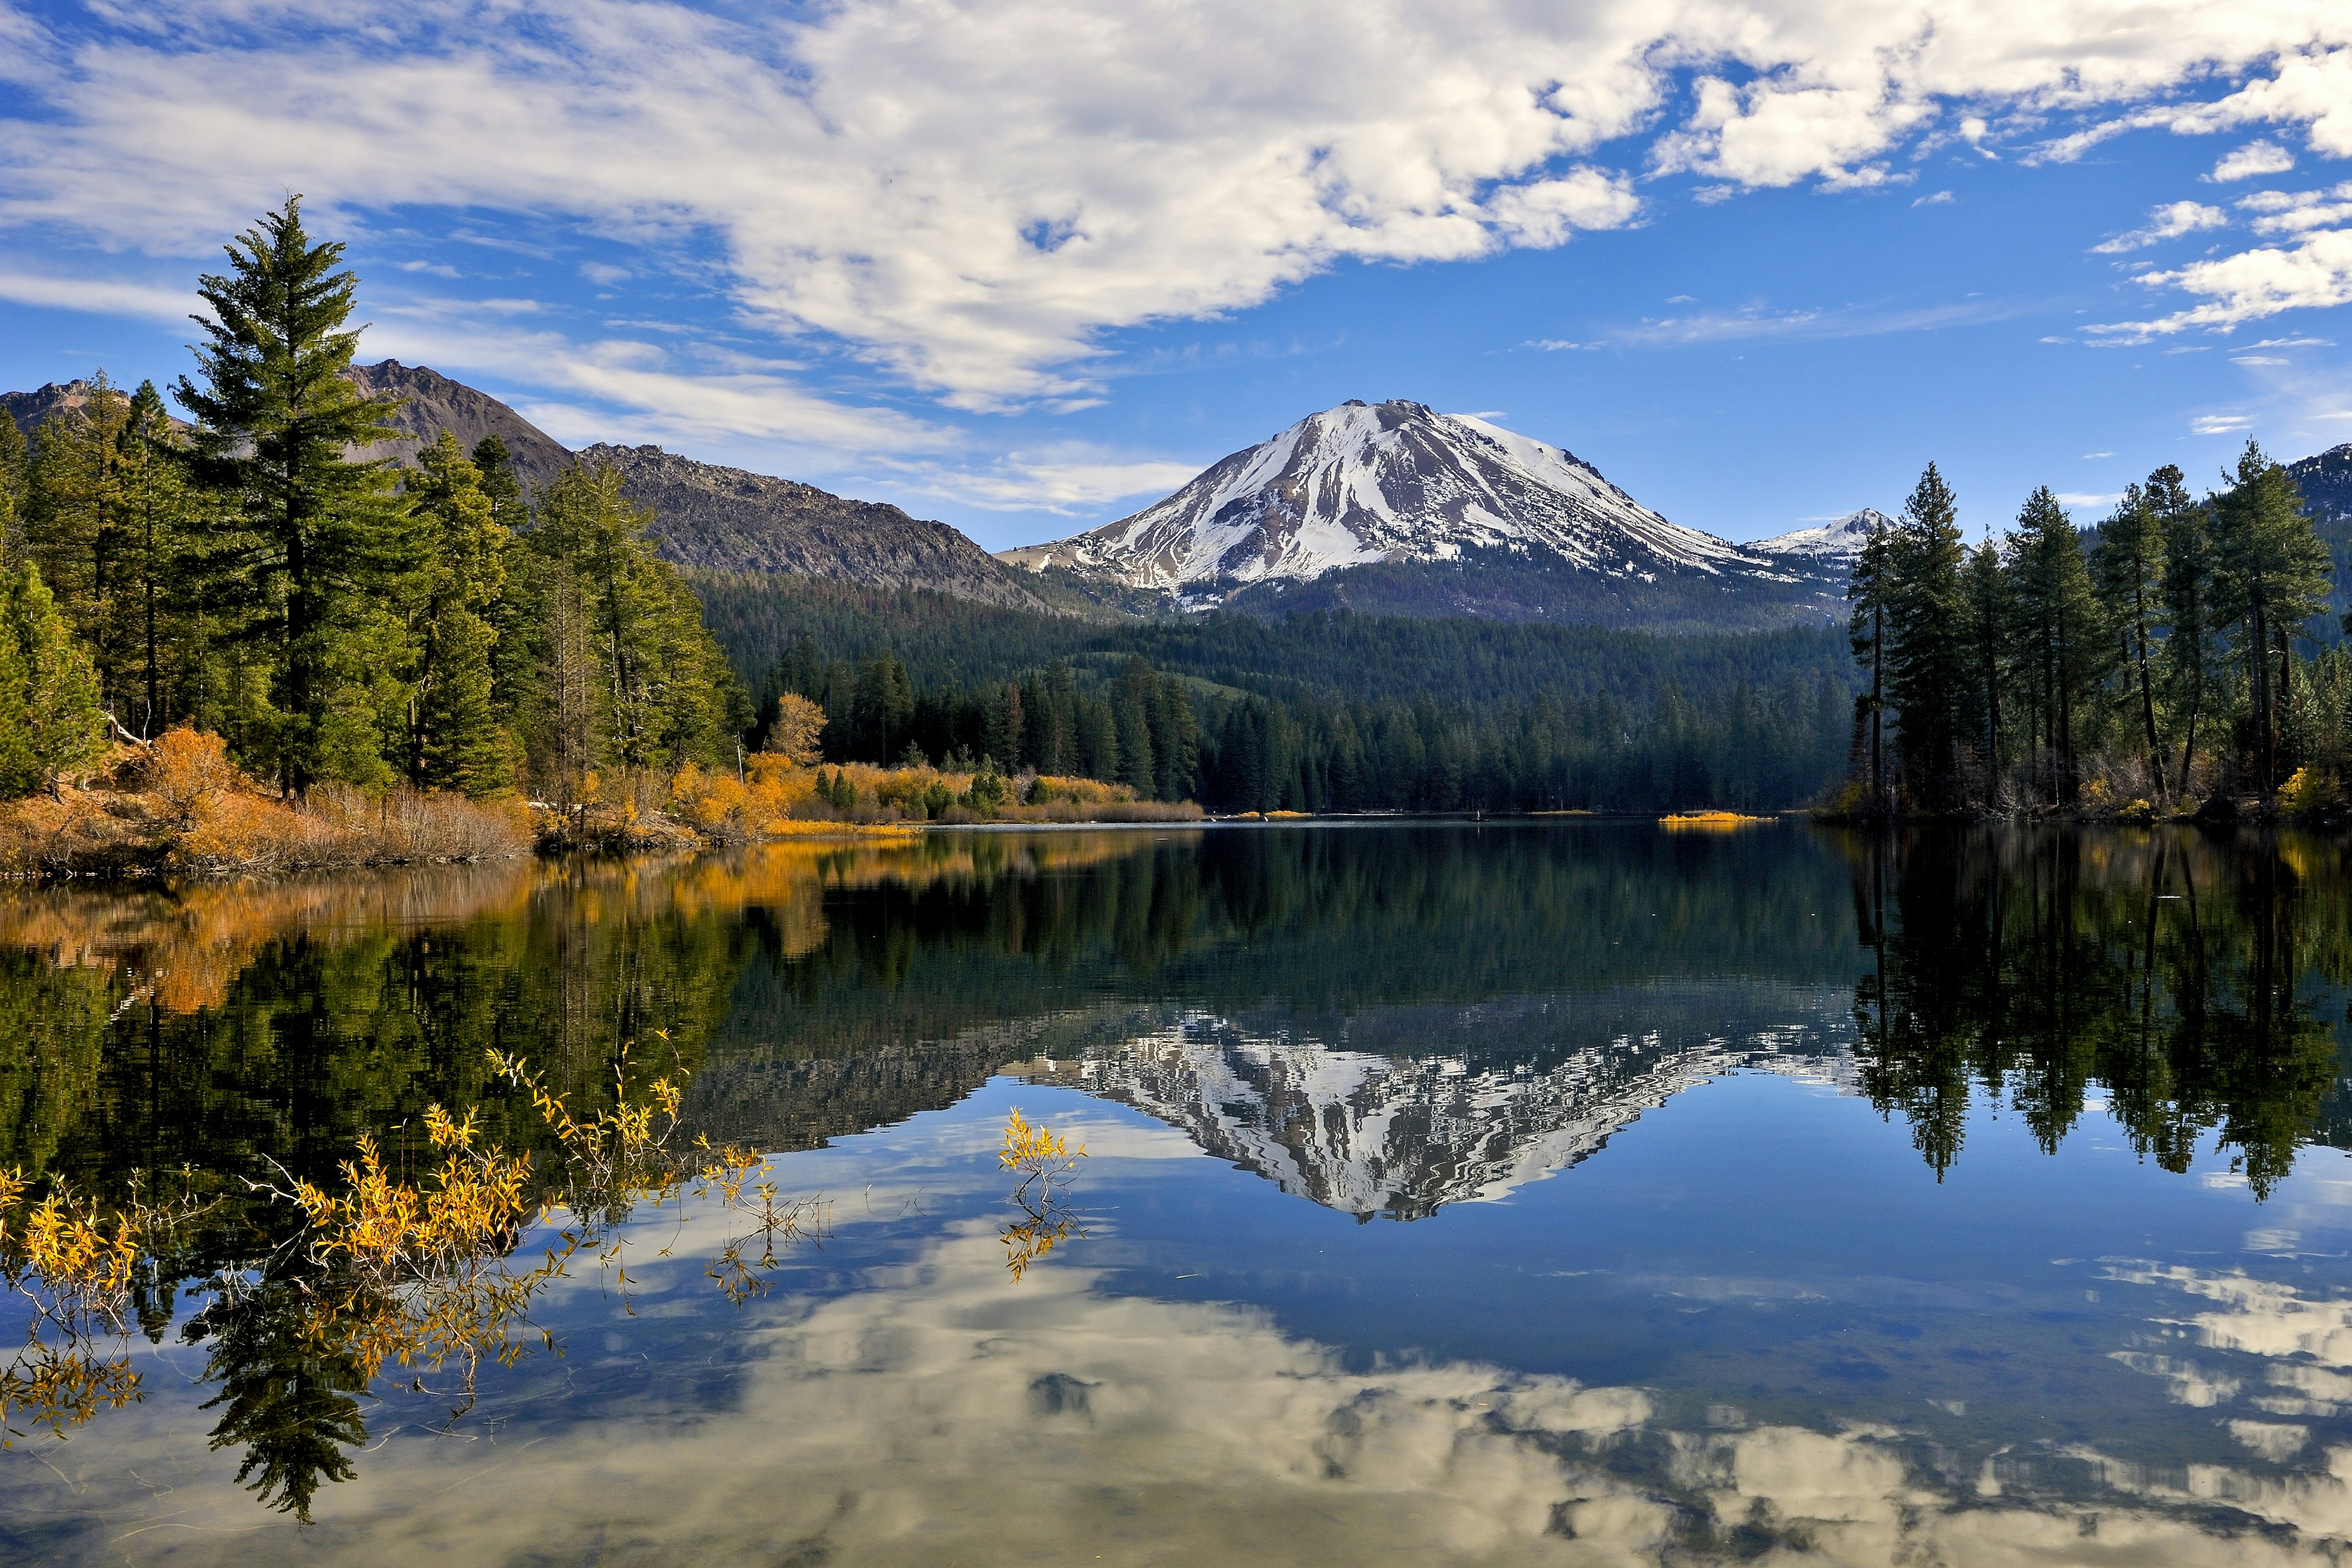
(1701, 1259)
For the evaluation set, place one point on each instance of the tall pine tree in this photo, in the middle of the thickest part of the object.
(2127, 572)
(2270, 579)
(1928, 670)
(457, 743)
(309, 537)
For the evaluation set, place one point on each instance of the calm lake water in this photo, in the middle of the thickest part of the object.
(1560, 1192)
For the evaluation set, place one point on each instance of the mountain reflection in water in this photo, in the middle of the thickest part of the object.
(2136, 1034)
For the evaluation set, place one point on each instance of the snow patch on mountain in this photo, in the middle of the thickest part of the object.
(1833, 544)
(1383, 482)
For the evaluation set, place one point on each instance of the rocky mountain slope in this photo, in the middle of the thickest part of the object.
(432, 402)
(1396, 507)
(731, 519)
(30, 409)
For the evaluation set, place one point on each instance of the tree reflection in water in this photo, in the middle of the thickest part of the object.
(2194, 980)
(806, 993)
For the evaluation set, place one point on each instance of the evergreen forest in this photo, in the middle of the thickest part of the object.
(2173, 658)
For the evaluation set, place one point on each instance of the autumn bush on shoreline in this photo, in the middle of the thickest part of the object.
(179, 805)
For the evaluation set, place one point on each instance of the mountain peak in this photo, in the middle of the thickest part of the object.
(1360, 484)
(1834, 542)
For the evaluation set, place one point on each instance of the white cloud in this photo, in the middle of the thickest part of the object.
(2257, 359)
(2220, 424)
(1060, 481)
(1553, 345)
(2253, 158)
(2168, 222)
(2250, 285)
(1803, 323)
(98, 296)
(2089, 497)
(969, 196)
(2292, 212)
(1941, 198)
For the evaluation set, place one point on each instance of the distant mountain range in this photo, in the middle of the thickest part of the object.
(1396, 507)
(713, 517)
(1389, 507)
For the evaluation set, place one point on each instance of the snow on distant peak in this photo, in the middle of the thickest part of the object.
(1389, 482)
(1834, 542)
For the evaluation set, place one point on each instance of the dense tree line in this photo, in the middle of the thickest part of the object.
(1739, 746)
(337, 618)
(2168, 658)
(942, 641)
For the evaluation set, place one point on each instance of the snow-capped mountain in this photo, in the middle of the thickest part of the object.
(1431, 512)
(1833, 544)
(1390, 481)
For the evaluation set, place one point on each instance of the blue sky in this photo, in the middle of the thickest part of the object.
(1025, 265)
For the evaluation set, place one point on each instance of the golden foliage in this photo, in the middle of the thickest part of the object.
(417, 1271)
(76, 1269)
(1709, 822)
(423, 1275)
(180, 804)
(2307, 791)
(1043, 1157)
(1030, 1240)
(794, 733)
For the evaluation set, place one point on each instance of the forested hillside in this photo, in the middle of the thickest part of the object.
(338, 621)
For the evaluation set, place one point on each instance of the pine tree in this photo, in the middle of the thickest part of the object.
(2127, 574)
(457, 742)
(2062, 636)
(1927, 672)
(1870, 590)
(16, 478)
(2191, 637)
(1131, 701)
(1991, 615)
(166, 636)
(623, 673)
(1176, 742)
(308, 529)
(50, 716)
(77, 526)
(511, 651)
(2270, 579)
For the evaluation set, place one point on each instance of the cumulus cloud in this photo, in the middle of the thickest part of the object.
(2252, 284)
(2169, 222)
(2253, 158)
(2292, 212)
(970, 196)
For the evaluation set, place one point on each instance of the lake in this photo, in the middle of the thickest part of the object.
(1556, 1191)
